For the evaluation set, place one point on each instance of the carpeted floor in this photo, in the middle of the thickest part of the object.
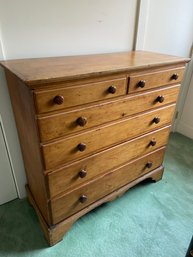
(154, 219)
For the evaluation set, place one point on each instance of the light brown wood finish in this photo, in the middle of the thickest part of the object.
(38, 71)
(55, 233)
(79, 95)
(22, 103)
(65, 123)
(154, 79)
(65, 150)
(68, 176)
(119, 128)
(69, 203)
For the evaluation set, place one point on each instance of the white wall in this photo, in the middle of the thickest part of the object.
(66, 27)
(41, 28)
(185, 125)
(166, 26)
(169, 27)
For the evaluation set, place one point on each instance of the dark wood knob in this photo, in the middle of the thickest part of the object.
(141, 83)
(83, 198)
(160, 99)
(81, 121)
(112, 89)
(59, 99)
(82, 173)
(149, 164)
(81, 147)
(152, 142)
(175, 76)
(156, 120)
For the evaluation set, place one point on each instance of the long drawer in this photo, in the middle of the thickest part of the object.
(78, 199)
(61, 98)
(65, 123)
(70, 176)
(154, 79)
(62, 151)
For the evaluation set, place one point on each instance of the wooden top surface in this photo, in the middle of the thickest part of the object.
(54, 69)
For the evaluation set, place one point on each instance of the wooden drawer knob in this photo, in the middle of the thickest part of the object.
(81, 121)
(81, 147)
(82, 173)
(112, 89)
(59, 99)
(156, 120)
(153, 142)
(175, 76)
(141, 83)
(149, 164)
(160, 99)
(83, 198)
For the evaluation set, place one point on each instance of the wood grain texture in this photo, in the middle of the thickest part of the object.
(154, 79)
(59, 185)
(91, 127)
(67, 177)
(69, 203)
(78, 95)
(22, 103)
(65, 150)
(65, 123)
(35, 72)
(55, 233)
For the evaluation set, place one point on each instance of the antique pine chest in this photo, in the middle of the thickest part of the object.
(91, 127)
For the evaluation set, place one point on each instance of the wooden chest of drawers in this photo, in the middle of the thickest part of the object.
(90, 128)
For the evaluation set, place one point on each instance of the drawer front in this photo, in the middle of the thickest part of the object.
(62, 98)
(62, 124)
(76, 147)
(155, 79)
(69, 176)
(72, 202)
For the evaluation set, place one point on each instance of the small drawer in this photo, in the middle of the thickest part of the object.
(78, 146)
(73, 201)
(154, 79)
(61, 98)
(65, 123)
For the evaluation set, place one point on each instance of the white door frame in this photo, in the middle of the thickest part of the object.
(9, 158)
(141, 24)
(10, 131)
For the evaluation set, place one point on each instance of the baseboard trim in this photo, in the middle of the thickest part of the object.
(185, 130)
